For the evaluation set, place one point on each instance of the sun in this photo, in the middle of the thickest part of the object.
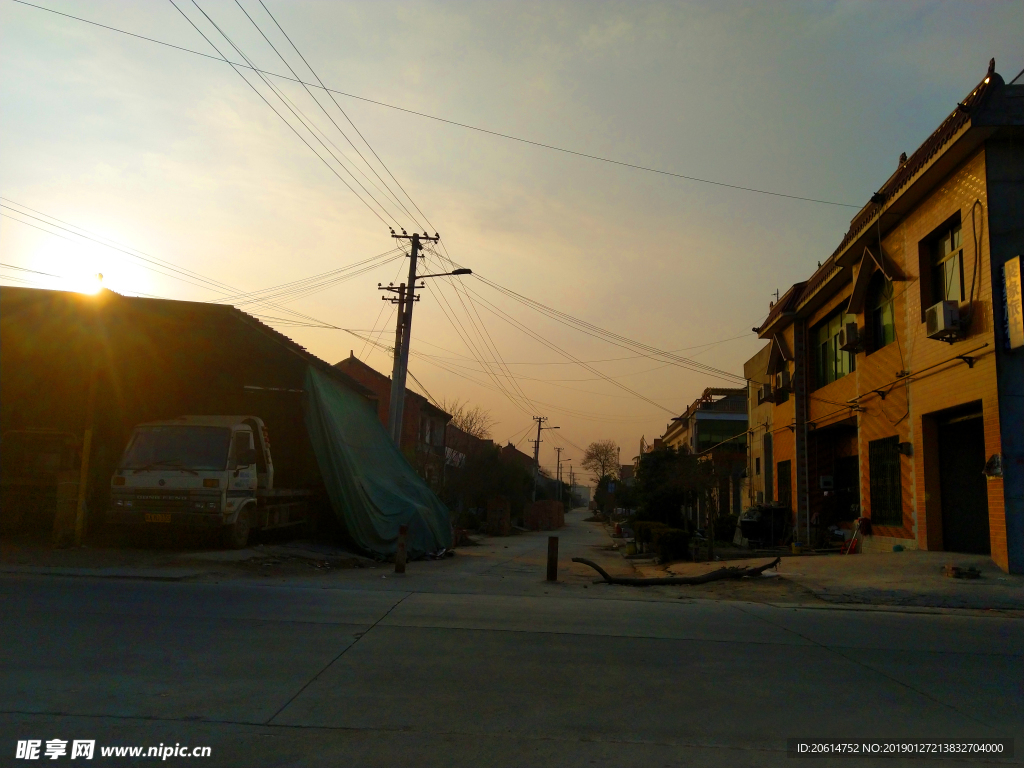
(91, 285)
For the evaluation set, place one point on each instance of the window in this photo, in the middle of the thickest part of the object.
(757, 465)
(886, 491)
(947, 267)
(830, 362)
(881, 317)
(712, 433)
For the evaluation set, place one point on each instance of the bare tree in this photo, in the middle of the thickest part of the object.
(473, 421)
(602, 459)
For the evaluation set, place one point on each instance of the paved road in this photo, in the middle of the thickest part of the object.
(475, 661)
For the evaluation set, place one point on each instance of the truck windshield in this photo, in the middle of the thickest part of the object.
(173, 446)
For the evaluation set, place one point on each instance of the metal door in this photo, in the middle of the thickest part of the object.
(963, 485)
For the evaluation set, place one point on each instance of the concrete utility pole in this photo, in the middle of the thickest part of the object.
(536, 452)
(558, 470)
(403, 327)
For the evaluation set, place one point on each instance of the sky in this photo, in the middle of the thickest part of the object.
(173, 157)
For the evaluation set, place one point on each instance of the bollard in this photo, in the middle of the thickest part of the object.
(552, 558)
(400, 549)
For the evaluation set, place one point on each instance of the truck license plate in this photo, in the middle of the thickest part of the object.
(151, 518)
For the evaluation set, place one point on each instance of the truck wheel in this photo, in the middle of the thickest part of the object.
(236, 536)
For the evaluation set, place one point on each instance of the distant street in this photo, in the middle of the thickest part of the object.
(475, 661)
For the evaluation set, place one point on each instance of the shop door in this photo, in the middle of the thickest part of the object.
(964, 492)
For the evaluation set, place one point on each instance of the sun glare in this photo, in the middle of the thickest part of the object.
(90, 285)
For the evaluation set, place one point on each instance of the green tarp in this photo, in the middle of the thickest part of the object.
(372, 487)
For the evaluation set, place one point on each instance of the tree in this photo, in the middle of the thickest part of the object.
(602, 459)
(473, 421)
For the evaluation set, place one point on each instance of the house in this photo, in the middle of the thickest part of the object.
(760, 464)
(896, 370)
(423, 423)
(511, 453)
(459, 444)
(714, 427)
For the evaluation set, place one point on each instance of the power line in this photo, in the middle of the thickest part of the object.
(271, 106)
(152, 263)
(447, 121)
(317, 101)
(354, 127)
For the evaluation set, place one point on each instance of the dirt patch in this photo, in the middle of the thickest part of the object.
(111, 551)
(767, 588)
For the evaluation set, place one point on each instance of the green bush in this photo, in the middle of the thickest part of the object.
(671, 544)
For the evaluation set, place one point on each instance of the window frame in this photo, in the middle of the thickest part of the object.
(928, 264)
(875, 310)
(829, 365)
(953, 235)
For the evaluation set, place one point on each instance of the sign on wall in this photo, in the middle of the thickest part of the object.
(1014, 305)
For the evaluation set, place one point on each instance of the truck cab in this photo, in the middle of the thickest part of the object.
(201, 472)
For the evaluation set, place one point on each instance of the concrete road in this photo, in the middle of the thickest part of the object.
(476, 661)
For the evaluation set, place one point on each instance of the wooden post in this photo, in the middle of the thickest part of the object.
(552, 558)
(83, 478)
(400, 549)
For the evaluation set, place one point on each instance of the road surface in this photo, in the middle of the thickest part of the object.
(476, 661)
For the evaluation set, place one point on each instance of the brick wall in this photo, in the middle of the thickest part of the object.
(938, 383)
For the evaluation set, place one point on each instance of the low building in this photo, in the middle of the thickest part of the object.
(897, 367)
(424, 425)
(71, 362)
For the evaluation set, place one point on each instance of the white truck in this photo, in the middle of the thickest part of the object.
(203, 472)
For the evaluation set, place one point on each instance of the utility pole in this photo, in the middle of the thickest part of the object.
(558, 470)
(536, 452)
(401, 369)
(403, 326)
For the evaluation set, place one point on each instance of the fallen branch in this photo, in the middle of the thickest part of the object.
(721, 573)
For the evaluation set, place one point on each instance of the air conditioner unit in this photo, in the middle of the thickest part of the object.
(764, 394)
(782, 380)
(942, 321)
(849, 338)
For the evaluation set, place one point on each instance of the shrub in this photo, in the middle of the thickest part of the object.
(643, 531)
(672, 544)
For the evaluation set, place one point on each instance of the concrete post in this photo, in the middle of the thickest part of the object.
(400, 549)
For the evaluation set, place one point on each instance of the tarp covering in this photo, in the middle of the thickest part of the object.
(372, 487)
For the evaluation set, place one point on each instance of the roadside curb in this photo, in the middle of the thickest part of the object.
(156, 574)
(1006, 613)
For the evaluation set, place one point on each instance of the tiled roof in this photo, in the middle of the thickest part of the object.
(931, 146)
(786, 303)
(939, 138)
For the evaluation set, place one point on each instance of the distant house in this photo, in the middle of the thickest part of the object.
(714, 427)
(424, 425)
(511, 453)
(627, 474)
(459, 445)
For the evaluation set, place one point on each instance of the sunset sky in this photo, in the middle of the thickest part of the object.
(172, 155)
